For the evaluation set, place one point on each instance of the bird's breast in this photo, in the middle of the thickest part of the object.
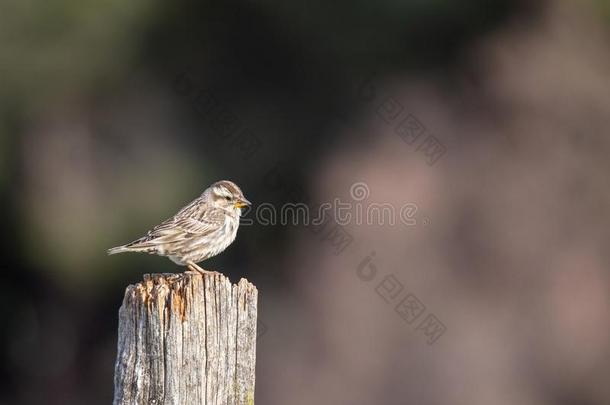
(230, 226)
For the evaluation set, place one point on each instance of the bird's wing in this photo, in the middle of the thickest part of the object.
(192, 220)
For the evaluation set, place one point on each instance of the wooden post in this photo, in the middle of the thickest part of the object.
(186, 339)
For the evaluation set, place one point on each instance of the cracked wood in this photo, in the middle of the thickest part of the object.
(186, 339)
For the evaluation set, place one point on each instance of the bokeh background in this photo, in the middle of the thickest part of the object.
(114, 114)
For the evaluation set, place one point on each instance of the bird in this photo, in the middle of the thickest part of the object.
(202, 229)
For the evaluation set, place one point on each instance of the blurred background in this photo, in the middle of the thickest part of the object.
(491, 117)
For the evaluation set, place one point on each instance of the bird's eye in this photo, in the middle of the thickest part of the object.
(228, 198)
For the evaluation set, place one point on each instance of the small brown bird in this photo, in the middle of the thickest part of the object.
(202, 229)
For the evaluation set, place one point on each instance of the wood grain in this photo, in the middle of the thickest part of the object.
(186, 339)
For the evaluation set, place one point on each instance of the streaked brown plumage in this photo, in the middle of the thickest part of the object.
(200, 230)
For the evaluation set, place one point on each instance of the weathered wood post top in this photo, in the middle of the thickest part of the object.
(186, 339)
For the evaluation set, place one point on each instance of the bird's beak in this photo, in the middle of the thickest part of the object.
(241, 203)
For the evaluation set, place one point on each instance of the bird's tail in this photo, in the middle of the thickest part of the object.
(118, 249)
(138, 245)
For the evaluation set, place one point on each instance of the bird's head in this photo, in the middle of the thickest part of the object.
(226, 195)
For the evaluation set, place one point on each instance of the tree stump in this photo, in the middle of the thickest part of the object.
(186, 339)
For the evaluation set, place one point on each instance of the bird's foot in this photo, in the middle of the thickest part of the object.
(195, 269)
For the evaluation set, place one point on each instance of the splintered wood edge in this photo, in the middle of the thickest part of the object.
(157, 287)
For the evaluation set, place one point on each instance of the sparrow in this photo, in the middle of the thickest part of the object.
(202, 229)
